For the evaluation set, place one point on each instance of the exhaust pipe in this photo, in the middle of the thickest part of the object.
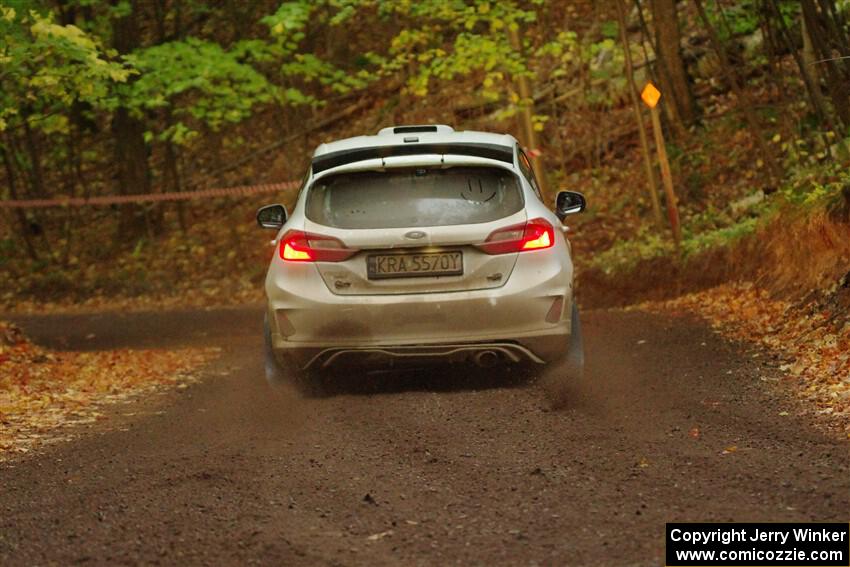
(486, 359)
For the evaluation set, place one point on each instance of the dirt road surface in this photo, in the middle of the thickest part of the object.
(433, 468)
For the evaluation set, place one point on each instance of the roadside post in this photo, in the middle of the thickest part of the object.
(650, 97)
(652, 186)
(526, 104)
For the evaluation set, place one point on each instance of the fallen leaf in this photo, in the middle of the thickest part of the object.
(381, 535)
(42, 391)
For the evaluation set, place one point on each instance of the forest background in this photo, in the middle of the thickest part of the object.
(145, 97)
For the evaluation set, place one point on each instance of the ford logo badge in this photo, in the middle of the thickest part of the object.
(414, 234)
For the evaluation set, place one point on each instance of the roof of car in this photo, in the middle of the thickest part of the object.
(427, 134)
(408, 140)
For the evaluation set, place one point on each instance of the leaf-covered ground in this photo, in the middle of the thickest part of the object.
(43, 391)
(219, 293)
(220, 259)
(812, 345)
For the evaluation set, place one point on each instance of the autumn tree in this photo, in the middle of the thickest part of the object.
(826, 31)
(672, 72)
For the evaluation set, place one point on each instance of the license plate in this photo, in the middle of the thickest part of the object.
(380, 266)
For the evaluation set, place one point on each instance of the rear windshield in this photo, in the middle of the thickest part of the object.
(398, 198)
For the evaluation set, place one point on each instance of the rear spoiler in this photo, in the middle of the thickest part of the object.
(343, 157)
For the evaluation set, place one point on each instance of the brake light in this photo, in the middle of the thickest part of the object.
(300, 246)
(535, 234)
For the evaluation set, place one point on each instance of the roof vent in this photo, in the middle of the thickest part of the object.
(425, 128)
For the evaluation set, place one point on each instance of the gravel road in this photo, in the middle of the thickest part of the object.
(442, 467)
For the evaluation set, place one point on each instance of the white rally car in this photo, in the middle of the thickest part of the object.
(419, 244)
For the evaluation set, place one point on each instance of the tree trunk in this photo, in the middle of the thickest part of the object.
(526, 116)
(659, 74)
(767, 153)
(19, 213)
(818, 27)
(646, 37)
(172, 174)
(809, 61)
(838, 29)
(669, 52)
(812, 88)
(131, 151)
(652, 187)
(37, 187)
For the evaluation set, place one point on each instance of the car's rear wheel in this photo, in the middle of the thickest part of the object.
(279, 371)
(575, 353)
(560, 379)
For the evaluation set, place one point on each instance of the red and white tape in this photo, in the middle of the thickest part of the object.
(239, 191)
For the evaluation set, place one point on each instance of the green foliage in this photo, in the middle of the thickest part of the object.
(605, 60)
(561, 54)
(624, 255)
(601, 60)
(649, 244)
(47, 67)
(312, 68)
(443, 40)
(289, 22)
(610, 30)
(201, 80)
(288, 26)
(478, 15)
(720, 237)
(816, 185)
(737, 19)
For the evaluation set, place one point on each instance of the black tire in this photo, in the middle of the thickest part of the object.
(575, 353)
(560, 379)
(279, 372)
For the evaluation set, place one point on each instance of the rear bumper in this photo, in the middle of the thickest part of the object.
(346, 356)
(310, 326)
(541, 350)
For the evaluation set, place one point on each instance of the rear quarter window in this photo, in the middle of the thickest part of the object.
(414, 197)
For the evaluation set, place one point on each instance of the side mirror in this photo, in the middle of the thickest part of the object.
(569, 203)
(271, 216)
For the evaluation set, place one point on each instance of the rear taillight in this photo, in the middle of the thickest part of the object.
(300, 246)
(535, 234)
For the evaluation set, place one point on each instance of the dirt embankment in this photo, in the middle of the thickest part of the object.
(797, 257)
